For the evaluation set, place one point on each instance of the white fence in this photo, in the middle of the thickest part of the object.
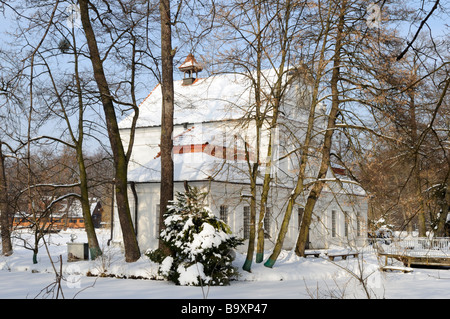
(415, 247)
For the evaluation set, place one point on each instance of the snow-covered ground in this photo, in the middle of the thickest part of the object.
(291, 278)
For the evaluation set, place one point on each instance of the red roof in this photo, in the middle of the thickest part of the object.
(190, 64)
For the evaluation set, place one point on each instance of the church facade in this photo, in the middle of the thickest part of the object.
(215, 140)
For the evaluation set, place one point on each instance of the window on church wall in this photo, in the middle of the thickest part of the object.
(157, 221)
(333, 223)
(231, 147)
(246, 222)
(223, 213)
(346, 224)
(358, 224)
(235, 148)
(224, 145)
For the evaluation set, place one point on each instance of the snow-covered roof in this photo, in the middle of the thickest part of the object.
(191, 64)
(216, 98)
(211, 99)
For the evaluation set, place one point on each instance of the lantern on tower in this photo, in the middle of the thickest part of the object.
(190, 67)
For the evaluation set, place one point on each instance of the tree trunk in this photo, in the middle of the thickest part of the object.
(299, 187)
(167, 54)
(326, 149)
(278, 95)
(253, 168)
(132, 252)
(267, 175)
(443, 200)
(5, 212)
(416, 167)
(284, 227)
(94, 247)
(262, 214)
(252, 234)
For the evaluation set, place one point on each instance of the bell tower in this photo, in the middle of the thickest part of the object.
(190, 67)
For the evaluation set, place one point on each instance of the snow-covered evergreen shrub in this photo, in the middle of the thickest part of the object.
(201, 244)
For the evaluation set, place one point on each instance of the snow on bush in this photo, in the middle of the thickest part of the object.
(201, 244)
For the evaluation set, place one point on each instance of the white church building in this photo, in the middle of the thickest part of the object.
(214, 140)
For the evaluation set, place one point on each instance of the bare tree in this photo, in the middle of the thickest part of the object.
(263, 38)
(63, 109)
(326, 147)
(116, 60)
(187, 24)
(409, 107)
(120, 155)
(6, 214)
(53, 99)
(167, 55)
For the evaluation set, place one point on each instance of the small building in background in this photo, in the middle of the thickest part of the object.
(64, 214)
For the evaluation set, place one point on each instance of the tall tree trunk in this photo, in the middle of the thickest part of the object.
(326, 149)
(298, 189)
(167, 54)
(252, 234)
(263, 207)
(268, 173)
(278, 95)
(132, 252)
(416, 167)
(253, 168)
(5, 212)
(94, 247)
(305, 152)
(443, 201)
